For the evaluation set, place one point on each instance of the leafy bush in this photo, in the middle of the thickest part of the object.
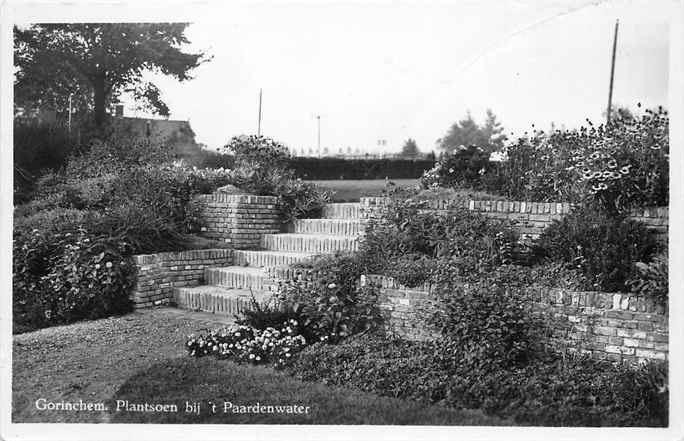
(549, 390)
(488, 316)
(246, 344)
(462, 168)
(404, 230)
(60, 277)
(270, 314)
(261, 167)
(651, 279)
(329, 298)
(604, 247)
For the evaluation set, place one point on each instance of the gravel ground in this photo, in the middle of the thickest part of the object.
(89, 360)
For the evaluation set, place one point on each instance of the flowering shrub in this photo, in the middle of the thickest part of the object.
(60, 277)
(620, 165)
(251, 345)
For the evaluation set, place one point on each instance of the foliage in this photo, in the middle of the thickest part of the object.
(410, 148)
(270, 314)
(462, 168)
(549, 390)
(604, 247)
(622, 165)
(651, 279)
(464, 236)
(261, 168)
(467, 132)
(329, 299)
(68, 274)
(102, 59)
(488, 317)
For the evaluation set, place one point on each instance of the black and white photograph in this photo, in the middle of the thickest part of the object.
(313, 220)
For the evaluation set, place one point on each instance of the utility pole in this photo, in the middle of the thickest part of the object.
(318, 117)
(69, 124)
(612, 73)
(259, 125)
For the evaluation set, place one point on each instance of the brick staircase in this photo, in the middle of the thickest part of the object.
(229, 289)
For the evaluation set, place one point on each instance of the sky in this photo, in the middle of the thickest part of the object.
(396, 70)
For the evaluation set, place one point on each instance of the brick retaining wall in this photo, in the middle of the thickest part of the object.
(158, 274)
(531, 218)
(239, 220)
(608, 325)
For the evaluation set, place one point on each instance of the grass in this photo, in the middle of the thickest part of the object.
(208, 380)
(89, 360)
(351, 190)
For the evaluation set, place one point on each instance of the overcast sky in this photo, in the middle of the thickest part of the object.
(394, 71)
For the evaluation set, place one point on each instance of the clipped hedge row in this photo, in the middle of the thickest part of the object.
(340, 168)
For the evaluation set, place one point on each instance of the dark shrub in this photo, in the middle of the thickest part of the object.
(604, 247)
(463, 169)
(470, 238)
(329, 299)
(66, 276)
(651, 279)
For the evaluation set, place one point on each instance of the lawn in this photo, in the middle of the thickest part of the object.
(234, 388)
(140, 358)
(351, 190)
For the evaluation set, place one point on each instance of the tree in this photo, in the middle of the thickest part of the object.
(410, 149)
(467, 132)
(96, 62)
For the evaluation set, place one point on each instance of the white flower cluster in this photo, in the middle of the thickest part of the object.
(245, 343)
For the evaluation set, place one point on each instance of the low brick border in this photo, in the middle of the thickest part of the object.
(158, 274)
(616, 326)
(531, 218)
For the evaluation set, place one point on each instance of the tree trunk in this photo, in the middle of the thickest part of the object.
(100, 113)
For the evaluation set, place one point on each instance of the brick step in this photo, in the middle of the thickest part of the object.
(268, 258)
(342, 210)
(309, 243)
(217, 299)
(243, 277)
(341, 227)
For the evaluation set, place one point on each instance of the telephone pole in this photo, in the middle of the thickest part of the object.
(259, 124)
(318, 117)
(612, 73)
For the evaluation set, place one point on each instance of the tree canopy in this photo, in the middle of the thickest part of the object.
(467, 132)
(410, 149)
(96, 62)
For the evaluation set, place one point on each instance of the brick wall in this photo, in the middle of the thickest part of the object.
(158, 274)
(531, 218)
(239, 220)
(608, 325)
